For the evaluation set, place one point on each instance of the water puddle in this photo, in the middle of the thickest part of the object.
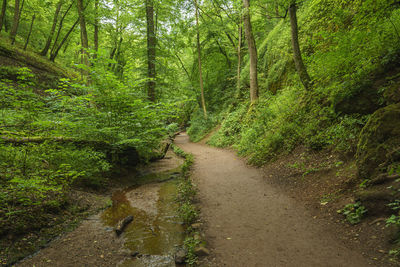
(156, 230)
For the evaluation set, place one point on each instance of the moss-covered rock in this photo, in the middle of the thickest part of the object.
(378, 139)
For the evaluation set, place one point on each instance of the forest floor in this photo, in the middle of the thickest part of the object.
(263, 217)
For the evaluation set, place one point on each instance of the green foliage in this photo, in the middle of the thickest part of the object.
(199, 126)
(69, 135)
(188, 213)
(190, 244)
(354, 212)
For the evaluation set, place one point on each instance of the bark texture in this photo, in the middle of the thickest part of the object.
(151, 51)
(298, 60)
(252, 51)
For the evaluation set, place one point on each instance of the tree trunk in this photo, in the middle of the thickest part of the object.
(239, 55)
(203, 101)
(84, 36)
(117, 54)
(298, 60)
(60, 25)
(96, 28)
(54, 55)
(17, 16)
(52, 30)
(252, 51)
(113, 51)
(151, 51)
(3, 14)
(30, 32)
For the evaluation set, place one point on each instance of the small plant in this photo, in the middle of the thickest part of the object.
(354, 212)
(190, 244)
(188, 213)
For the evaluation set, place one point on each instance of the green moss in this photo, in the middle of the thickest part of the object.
(378, 138)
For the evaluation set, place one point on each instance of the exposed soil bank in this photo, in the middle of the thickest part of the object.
(249, 222)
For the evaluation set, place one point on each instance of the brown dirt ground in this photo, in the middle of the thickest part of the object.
(273, 216)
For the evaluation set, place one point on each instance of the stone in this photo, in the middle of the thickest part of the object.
(201, 251)
(196, 226)
(180, 256)
(196, 237)
(135, 254)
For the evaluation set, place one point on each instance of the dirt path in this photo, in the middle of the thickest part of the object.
(251, 223)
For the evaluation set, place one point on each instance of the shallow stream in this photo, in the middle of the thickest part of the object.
(156, 231)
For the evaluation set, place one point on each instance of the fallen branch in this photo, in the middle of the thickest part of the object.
(120, 227)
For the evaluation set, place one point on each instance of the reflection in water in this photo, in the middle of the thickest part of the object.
(156, 228)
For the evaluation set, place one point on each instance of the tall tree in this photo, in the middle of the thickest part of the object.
(203, 101)
(151, 51)
(84, 35)
(96, 28)
(30, 32)
(17, 16)
(3, 14)
(52, 30)
(298, 60)
(251, 44)
(239, 55)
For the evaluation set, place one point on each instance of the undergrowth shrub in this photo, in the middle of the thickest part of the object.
(200, 126)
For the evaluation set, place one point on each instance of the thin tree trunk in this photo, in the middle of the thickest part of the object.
(151, 51)
(84, 36)
(52, 30)
(252, 51)
(60, 25)
(30, 32)
(203, 101)
(17, 16)
(239, 55)
(54, 55)
(96, 28)
(66, 46)
(298, 60)
(117, 54)
(3, 14)
(113, 51)
(183, 66)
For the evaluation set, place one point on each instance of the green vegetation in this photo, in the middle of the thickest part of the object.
(354, 212)
(89, 89)
(187, 210)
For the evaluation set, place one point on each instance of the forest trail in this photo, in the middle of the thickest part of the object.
(248, 222)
